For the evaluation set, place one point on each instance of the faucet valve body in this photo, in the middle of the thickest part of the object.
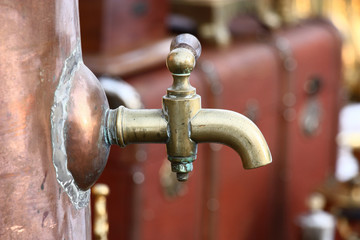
(181, 104)
(181, 149)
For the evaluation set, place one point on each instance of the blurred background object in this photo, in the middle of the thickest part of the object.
(289, 65)
(343, 190)
(100, 223)
(317, 224)
(345, 15)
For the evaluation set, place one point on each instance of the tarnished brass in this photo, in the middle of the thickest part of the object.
(137, 126)
(182, 124)
(101, 224)
(83, 126)
(234, 130)
(56, 126)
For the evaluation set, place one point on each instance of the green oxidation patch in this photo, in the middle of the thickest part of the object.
(182, 167)
(182, 159)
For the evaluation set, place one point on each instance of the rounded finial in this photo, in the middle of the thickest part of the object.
(180, 61)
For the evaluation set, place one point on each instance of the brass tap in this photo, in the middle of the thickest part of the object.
(182, 123)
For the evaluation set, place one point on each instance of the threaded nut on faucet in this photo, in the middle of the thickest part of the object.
(182, 170)
(182, 177)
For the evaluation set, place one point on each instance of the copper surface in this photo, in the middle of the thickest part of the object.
(86, 148)
(36, 37)
(249, 72)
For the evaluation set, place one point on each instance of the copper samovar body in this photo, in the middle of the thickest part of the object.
(36, 37)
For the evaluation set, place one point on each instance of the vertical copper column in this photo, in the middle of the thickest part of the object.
(35, 39)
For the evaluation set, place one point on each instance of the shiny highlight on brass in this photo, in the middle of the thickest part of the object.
(182, 124)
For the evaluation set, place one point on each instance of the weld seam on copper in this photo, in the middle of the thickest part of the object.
(58, 115)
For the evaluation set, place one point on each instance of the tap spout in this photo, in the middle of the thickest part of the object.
(234, 130)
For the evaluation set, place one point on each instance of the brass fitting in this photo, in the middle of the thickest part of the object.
(101, 224)
(181, 123)
(180, 105)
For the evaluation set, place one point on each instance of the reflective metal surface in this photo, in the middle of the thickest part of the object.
(181, 124)
(86, 149)
(55, 122)
(235, 130)
(36, 38)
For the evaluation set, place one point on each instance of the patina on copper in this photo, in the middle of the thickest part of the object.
(36, 38)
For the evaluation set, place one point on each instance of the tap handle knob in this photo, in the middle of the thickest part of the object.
(185, 49)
